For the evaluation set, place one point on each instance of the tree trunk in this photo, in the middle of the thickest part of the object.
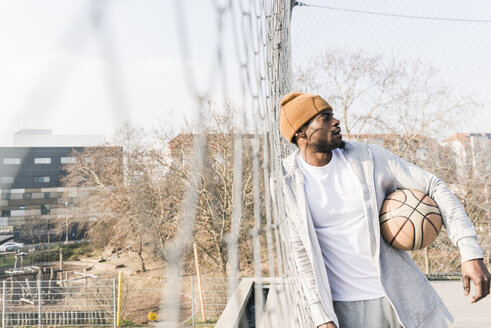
(140, 256)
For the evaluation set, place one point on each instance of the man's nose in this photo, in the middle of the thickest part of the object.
(335, 121)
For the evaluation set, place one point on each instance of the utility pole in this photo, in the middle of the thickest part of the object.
(66, 222)
(48, 233)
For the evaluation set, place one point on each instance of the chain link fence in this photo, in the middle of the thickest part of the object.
(379, 47)
(87, 302)
(397, 76)
(199, 307)
(50, 303)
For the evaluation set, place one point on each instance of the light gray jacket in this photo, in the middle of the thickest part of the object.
(380, 173)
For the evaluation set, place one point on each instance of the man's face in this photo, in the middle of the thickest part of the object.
(323, 132)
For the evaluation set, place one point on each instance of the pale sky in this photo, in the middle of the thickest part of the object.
(461, 51)
(65, 68)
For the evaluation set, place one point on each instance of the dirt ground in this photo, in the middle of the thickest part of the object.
(141, 291)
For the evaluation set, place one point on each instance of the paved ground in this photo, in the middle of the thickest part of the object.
(466, 315)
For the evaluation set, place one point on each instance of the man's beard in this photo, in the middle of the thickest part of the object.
(325, 146)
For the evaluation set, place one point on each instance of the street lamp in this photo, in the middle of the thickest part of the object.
(66, 222)
(48, 233)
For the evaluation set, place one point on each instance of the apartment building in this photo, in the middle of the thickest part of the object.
(31, 172)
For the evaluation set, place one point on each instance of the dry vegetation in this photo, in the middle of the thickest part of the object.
(407, 108)
(136, 192)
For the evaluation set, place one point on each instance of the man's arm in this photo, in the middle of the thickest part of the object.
(301, 262)
(305, 276)
(459, 227)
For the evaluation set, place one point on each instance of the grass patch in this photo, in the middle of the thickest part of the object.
(202, 324)
(129, 323)
(7, 260)
(73, 251)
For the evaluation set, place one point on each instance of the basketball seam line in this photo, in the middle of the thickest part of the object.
(414, 209)
(398, 231)
(407, 219)
(425, 218)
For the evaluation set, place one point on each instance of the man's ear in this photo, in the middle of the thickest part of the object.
(300, 134)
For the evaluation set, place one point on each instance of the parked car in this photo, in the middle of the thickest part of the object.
(11, 246)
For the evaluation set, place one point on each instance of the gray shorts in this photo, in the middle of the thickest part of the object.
(377, 313)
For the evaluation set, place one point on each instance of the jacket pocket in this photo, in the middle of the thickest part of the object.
(411, 294)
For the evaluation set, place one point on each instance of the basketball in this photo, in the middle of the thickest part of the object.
(409, 219)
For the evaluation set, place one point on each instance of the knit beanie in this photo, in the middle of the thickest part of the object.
(298, 108)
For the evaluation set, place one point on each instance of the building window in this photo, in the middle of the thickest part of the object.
(67, 160)
(27, 195)
(6, 196)
(22, 207)
(46, 195)
(41, 179)
(42, 160)
(6, 213)
(6, 179)
(11, 161)
(45, 209)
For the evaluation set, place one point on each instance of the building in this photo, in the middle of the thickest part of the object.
(30, 182)
(415, 147)
(30, 185)
(471, 149)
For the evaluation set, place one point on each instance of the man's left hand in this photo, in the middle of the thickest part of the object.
(476, 271)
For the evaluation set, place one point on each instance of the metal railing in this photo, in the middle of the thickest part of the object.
(41, 303)
(89, 302)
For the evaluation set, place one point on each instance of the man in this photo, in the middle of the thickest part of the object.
(333, 194)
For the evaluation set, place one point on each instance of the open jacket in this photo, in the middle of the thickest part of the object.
(380, 173)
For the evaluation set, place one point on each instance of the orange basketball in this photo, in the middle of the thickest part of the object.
(409, 219)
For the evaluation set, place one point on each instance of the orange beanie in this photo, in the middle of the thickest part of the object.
(298, 108)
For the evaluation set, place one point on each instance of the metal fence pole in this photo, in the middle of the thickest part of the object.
(39, 303)
(120, 279)
(3, 303)
(192, 299)
(61, 259)
(114, 302)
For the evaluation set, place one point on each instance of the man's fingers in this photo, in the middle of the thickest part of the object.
(467, 285)
(486, 287)
(476, 271)
(482, 289)
(479, 283)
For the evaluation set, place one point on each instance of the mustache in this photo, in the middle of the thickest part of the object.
(337, 130)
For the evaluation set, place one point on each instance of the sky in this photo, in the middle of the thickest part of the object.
(85, 67)
(61, 70)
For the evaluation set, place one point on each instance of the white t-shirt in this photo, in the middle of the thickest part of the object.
(334, 198)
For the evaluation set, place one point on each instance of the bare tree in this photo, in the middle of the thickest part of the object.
(136, 190)
(406, 107)
(214, 208)
(112, 179)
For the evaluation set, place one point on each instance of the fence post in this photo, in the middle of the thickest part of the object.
(61, 259)
(3, 303)
(39, 303)
(192, 299)
(198, 275)
(114, 302)
(120, 278)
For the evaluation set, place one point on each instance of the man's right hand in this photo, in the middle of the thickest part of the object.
(328, 325)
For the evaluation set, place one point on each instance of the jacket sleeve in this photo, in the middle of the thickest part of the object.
(303, 271)
(459, 227)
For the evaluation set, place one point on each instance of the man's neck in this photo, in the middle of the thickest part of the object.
(316, 158)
